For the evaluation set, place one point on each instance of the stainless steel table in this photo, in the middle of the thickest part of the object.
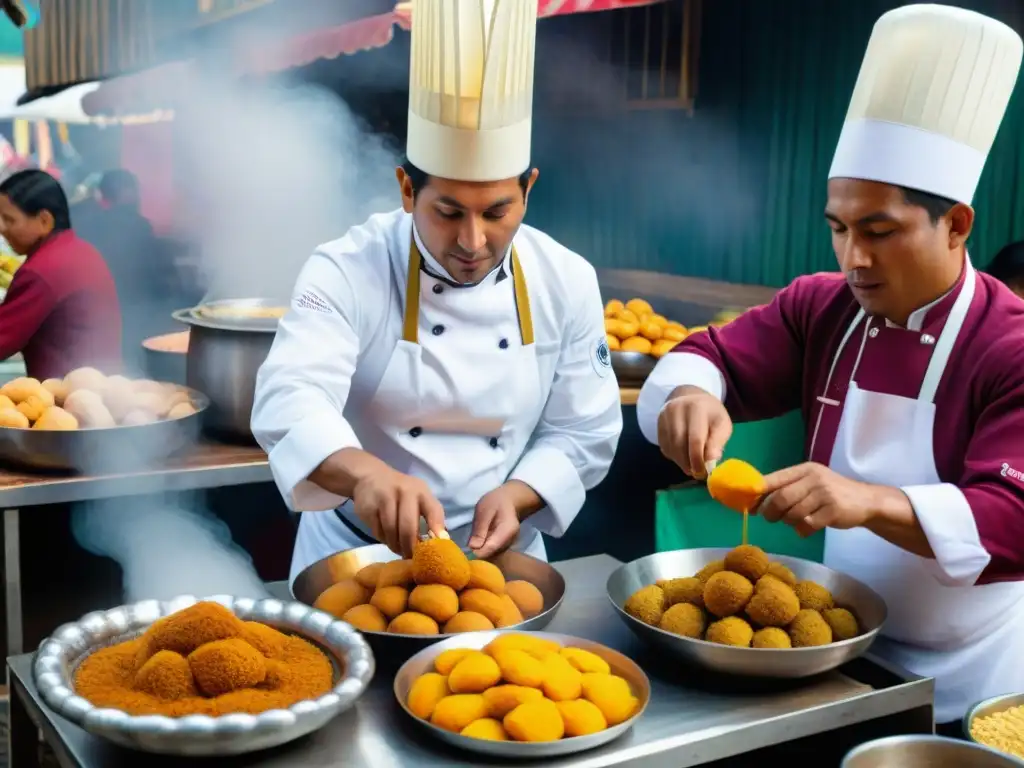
(689, 721)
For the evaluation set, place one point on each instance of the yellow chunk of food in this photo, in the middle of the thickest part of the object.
(646, 604)
(453, 713)
(727, 593)
(771, 637)
(809, 629)
(14, 419)
(662, 347)
(535, 646)
(57, 419)
(636, 344)
(412, 623)
(487, 729)
(612, 695)
(338, 598)
(425, 693)
(526, 596)
(440, 561)
(391, 601)
(737, 485)
(35, 405)
(613, 307)
(368, 575)
(731, 630)
(366, 618)
(467, 621)
(474, 673)
(843, 623)
(396, 573)
(581, 717)
(673, 333)
(613, 342)
(502, 699)
(639, 307)
(520, 668)
(562, 681)
(511, 615)
(535, 721)
(585, 661)
(748, 561)
(438, 601)
(813, 596)
(683, 619)
(485, 575)
(446, 660)
(483, 602)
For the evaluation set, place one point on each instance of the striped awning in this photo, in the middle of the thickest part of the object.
(158, 88)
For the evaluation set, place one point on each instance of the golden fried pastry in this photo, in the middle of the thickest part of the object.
(440, 561)
(686, 590)
(748, 561)
(581, 717)
(474, 673)
(610, 694)
(446, 660)
(562, 681)
(57, 419)
(683, 619)
(731, 630)
(467, 621)
(483, 602)
(391, 601)
(425, 693)
(813, 596)
(369, 575)
(809, 629)
(510, 615)
(774, 603)
(710, 570)
(56, 388)
(538, 647)
(267, 640)
(188, 629)
(6, 402)
(338, 598)
(226, 665)
(782, 573)
(455, 712)
(843, 623)
(167, 676)
(647, 604)
(526, 596)
(396, 573)
(585, 661)
(14, 419)
(771, 637)
(520, 668)
(412, 623)
(20, 389)
(437, 601)
(535, 721)
(502, 699)
(485, 575)
(485, 728)
(366, 618)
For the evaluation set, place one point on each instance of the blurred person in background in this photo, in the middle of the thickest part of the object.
(1008, 267)
(61, 311)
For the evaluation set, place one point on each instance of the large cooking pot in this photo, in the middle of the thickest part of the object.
(229, 340)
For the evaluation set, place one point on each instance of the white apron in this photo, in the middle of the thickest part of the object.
(967, 638)
(450, 414)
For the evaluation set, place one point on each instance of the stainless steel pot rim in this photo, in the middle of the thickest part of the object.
(199, 401)
(925, 738)
(194, 316)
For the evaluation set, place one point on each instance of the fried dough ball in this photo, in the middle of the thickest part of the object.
(391, 601)
(338, 598)
(6, 402)
(453, 713)
(181, 410)
(774, 604)
(35, 405)
(520, 668)
(226, 665)
(425, 692)
(369, 574)
(485, 728)
(538, 647)
(437, 601)
(167, 676)
(440, 561)
(510, 615)
(843, 623)
(813, 596)
(446, 660)
(88, 408)
(562, 681)
(771, 637)
(502, 699)
(710, 570)
(485, 575)
(13, 419)
(396, 573)
(782, 573)
(467, 621)
(21, 389)
(809, 629)
(412, 623)
(688, 590)
(731, 630)
(475, 673)
(57, 419)
(264, 639)
(748, 561)
(138, 418)
(684, 619)
(56, 388)
(526, 596)
(581, 717)
(119, 397)
(535, 721)
(85, 378)
(585, 661)
(483, 602)
(366, 618)
(646, 604)
(726, 593)
(188, 629)
(610, 694)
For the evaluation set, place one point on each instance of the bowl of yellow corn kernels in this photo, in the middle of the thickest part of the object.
(998, 723)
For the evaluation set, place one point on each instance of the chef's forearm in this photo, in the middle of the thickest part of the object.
(341, 472)
(526, 500)
(893, 518)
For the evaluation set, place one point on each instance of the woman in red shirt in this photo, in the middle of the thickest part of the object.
(61, 310)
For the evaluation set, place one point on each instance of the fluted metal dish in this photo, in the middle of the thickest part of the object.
(199, 735)
(622, 666)
(392, 648)
(865, 603)
(988, 707)
(632, 368)
(926, 751)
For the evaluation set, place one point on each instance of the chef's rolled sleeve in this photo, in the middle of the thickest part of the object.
(948, 522)
(302, 387)
(574, 443)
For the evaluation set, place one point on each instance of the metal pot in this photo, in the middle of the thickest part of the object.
(228, 343)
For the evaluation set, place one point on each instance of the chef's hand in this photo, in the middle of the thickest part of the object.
(497, 517)
(391, 504)
(693, 429)
(811, 497)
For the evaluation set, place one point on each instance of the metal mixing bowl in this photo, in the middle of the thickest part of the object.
(311, 583)
(990, 707)
(198, 735)
(865, 603)
(926, 751)
(622, 666)
(632, 368)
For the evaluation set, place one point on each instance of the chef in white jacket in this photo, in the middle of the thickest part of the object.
(445, 362)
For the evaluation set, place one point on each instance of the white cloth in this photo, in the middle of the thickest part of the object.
(339, 375)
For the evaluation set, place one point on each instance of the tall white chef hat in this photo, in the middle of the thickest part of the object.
(932, 90)
(471, 88)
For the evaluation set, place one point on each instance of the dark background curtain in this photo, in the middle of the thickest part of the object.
(734, 192)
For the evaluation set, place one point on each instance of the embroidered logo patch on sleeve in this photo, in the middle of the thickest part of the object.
(309, 300)
(601, 357)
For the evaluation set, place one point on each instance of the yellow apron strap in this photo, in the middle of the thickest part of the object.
(411, 322)
(522, 300)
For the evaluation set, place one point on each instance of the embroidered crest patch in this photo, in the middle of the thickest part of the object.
(601, 357)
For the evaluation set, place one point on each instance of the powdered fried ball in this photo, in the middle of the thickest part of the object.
(412, 623)
(483, 602)
(264, 639)
(684, 619)
(809, 629)
(726, 593)
(813, 596)
(748, 561)
(369, 574)
(782, 573)
(391, 601)
(646, 604)
(338, 598)
(440, 561)
(731, 630)
(485, 575)
(710, 570)
(688, 590)
(774, 604)
(167, 676)
(188, 629)
(227, 665)
(510, 615)
(366, 618)
(526, 596)
(467, 621)
(771, 637)
(396, 573)
(842, 622)
(437, 601)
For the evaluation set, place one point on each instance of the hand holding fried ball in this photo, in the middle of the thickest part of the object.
(522, 688)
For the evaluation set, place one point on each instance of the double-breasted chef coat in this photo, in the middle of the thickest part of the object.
(464, 387)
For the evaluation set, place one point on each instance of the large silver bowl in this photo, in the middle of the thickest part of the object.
(925, 751)
(393, 648)
(198, 735)
(102, 451)
(864, 602)
(423, 662)
(990, 707)
(632, 368)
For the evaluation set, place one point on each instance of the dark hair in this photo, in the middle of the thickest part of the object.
(419, 178)
(935, 206)
(120, 187)
(1009, 263)
(35, 191)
